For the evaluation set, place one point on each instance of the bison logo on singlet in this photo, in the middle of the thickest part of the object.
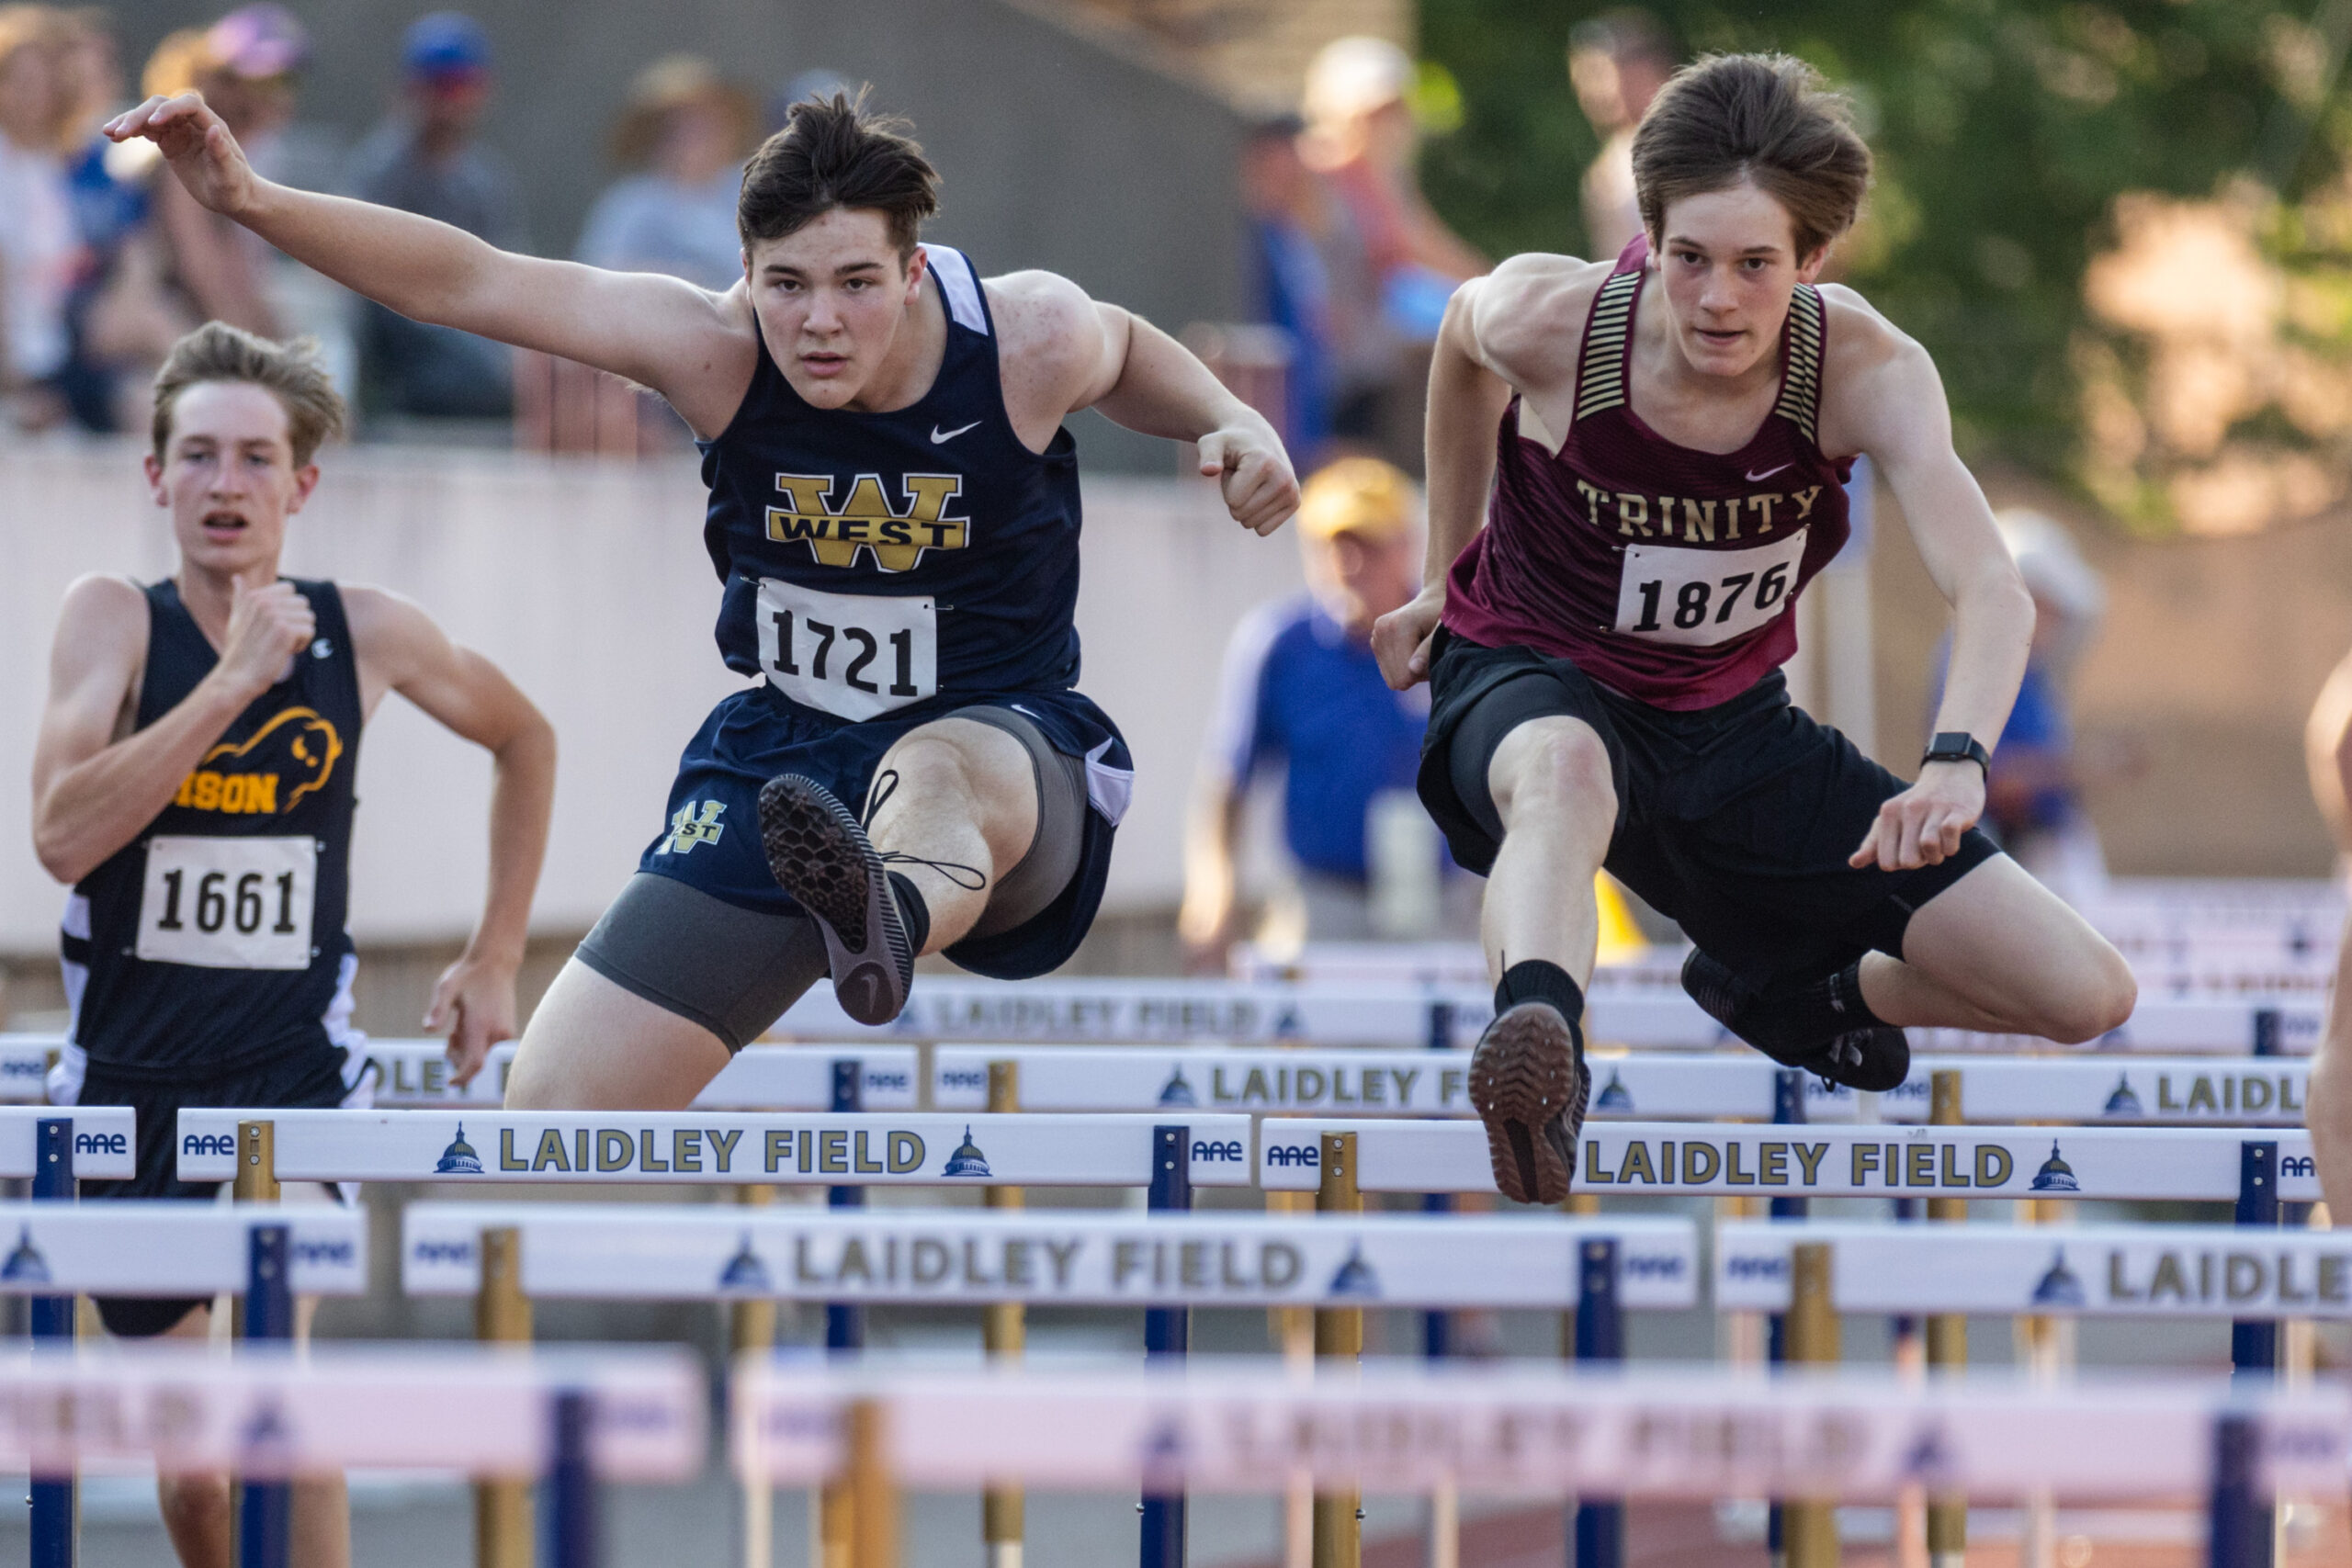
(868, 520)
(291, 756)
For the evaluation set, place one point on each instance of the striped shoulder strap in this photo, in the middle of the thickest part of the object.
(1601, 375)
(1808, 330)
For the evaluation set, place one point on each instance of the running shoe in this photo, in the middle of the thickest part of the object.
(1798, 1027)
(1529, 1085)
(822, 856)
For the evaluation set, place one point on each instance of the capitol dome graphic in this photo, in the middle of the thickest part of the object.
(966, 1160)
(1355, 1280)
(2055, 1175)
(2122, 1102)
(1613, 1096)
(25, 1265)
(1176, 1091)
(2060, 1287)
(744, 1272)
(459, 1159)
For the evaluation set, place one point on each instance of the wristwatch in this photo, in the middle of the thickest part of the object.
(1958, 745)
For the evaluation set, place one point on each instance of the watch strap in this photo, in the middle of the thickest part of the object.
(1958, 745)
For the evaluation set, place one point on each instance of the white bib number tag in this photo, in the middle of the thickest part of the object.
(854, 655)
(1698, 598)
(228, 903)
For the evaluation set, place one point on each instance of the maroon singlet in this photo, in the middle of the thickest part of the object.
(1661, 572)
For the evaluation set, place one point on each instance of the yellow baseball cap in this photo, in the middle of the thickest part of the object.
(1358, 495)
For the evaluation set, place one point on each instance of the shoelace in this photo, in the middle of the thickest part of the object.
(886, 785)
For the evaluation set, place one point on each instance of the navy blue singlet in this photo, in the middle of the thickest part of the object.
(214, 943)
(881, 561)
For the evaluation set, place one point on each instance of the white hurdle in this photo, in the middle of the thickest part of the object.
(2188, 1271)
(414, 1074)
(806, 1148)
(1661, 1157)
(167, 1248)
(578, 1418)
(2089, 1090)
(1524, 1429)
(1046, 1258)
(23, 1068)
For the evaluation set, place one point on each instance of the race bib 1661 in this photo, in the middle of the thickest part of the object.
(228, 903)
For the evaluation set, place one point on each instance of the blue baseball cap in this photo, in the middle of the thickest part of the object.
(445, 44)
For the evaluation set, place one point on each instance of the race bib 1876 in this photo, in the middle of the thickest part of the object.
(1702, 597)
(228, 903)
(854, 655)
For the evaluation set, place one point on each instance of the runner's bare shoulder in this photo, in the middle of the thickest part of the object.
(1529, 315)
(1870, 367)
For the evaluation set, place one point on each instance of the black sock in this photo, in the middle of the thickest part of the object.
(1535, 980)
(1826, 1006)
(913, 913)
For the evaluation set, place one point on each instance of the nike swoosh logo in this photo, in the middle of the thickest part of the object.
(938, 435)
(1751, 478)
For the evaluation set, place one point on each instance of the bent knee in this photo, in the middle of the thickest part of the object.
(1558, 766)
(2098, 1000)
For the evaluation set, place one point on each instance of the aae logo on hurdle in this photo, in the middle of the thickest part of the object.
(103, 1139)
(814, 1148)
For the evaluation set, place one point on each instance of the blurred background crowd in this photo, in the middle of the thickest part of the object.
(2122, 227)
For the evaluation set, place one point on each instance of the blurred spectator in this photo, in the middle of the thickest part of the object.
(245, 66)
(110, 207)
(1300, 687)
(426, 159)
(40, 248)
(1391, 263)
(1290, 288)
(1617, 63)
(817, 82)
(689, 130)
(2033, 796)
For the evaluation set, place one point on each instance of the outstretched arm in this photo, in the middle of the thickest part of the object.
(95, 791)
(1064, 352)
(401, 648)
(648, 328)
(1891, 403)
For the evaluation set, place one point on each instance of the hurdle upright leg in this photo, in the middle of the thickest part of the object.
(1809, 1526)
(55, 1498)
(501, 1316)
(1444, 1534)
(574, 1529)
(1339, 1337)
(1004, 1335)
(2254, 1345)
(1946, 1342)
(265, 1511)
(1788, 1110)
(1167, 1332)
(844, 1330)
(1598, 1524)
(752, 1332)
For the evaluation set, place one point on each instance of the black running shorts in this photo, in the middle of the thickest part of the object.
(1733, 820)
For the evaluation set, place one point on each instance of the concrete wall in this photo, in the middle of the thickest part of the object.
(587, 581)
(1056, 150)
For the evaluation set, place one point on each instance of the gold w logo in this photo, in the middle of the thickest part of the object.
(686, 830)
(867, 521)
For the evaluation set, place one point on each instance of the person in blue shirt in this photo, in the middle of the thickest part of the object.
(1301, 688)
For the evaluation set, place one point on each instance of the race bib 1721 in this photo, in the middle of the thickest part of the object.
(854, 655)
(1702, 597)
(228, 903)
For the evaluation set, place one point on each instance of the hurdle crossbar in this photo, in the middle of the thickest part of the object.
(1527, 1427)
(412, 1074)
(806, 1148)
(169, 1247)
(1044, 1257)
(264, 1412)
(1639, 1159)
(2234, 1091)
(23, 1068)
(2198, 1271)
(105, 1141)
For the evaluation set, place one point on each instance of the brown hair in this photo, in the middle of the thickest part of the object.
(833, 154)
(1769, 119)
(291, 372)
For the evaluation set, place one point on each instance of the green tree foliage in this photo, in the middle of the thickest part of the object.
(2004, 131)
